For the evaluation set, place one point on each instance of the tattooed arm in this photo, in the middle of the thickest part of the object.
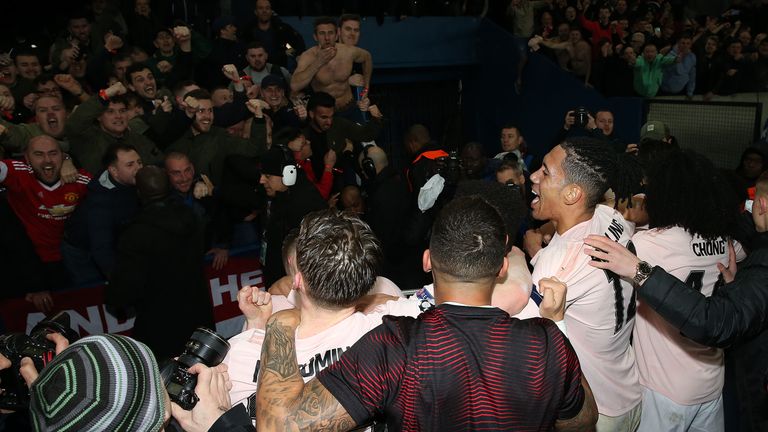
(283, 401)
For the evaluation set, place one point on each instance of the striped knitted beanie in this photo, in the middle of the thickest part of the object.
(100, 383)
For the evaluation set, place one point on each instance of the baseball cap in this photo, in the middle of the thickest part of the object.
(655, 130)
(273, 161)
(99, 383)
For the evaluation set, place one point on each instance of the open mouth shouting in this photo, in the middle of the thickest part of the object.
(150, 90)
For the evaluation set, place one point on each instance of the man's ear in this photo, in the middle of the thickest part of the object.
(503, 270)
(426, 261)
(112, 169)
(572, 193)
(298, 282)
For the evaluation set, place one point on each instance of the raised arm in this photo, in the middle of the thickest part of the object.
(283, 401)
(309, 63)
(730, 315)
(364, 57)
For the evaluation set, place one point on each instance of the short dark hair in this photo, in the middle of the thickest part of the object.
(131, 99)
(505, 200)
(468, 240)
(685, 189)
(42, 79)
(121, 56)
(349, 17)
(510, 164)
(254, 45)
(322, 99)
(338, 256)
(511, 126)
(110, 156)
(134, 68)
(121, 99)
(181, 84)
(323, 20)
(79, 13)
(198, 94)
(651, 43)
(27, 52)
(596, 167)
(286, 135)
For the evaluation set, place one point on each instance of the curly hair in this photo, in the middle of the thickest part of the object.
(596, 167)
(685, 189)
(338, 256)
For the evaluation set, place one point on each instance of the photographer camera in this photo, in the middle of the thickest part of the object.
(26, 354)
(580, 122)
(112, 382)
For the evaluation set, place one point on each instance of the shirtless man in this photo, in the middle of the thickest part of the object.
(328, 66)
(579, 58)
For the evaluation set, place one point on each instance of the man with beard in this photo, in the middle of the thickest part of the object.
(91, 141)
(258, 66)
(208, 146)
(43, 203)
(328, 132)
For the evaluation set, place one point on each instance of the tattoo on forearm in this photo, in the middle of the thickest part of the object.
(280, 347)
(284, 402)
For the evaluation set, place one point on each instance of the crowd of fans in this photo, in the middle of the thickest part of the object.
(638, 48)
(139, 142)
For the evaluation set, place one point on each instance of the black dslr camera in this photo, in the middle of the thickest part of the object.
(450, 167)
(14, 394)
(205, 347)
(581, 117)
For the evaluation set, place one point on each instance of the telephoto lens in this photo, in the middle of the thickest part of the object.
(206, 347)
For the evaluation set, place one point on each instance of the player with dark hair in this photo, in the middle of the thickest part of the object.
(460, 366)
(734, 316)
(691, 216)
(332, 263)
(600, 310)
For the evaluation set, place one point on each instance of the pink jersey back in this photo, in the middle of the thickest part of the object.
(669, 363)
(600, 309)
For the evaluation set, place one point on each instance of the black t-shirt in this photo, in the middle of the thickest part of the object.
(458, 368)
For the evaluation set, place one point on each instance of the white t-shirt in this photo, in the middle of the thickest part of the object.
(669, 363)
(313, 354)
(599, 310)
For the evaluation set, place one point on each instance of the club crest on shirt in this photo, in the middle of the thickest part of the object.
(71, 197)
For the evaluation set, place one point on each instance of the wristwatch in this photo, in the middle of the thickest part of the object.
(642, 272)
